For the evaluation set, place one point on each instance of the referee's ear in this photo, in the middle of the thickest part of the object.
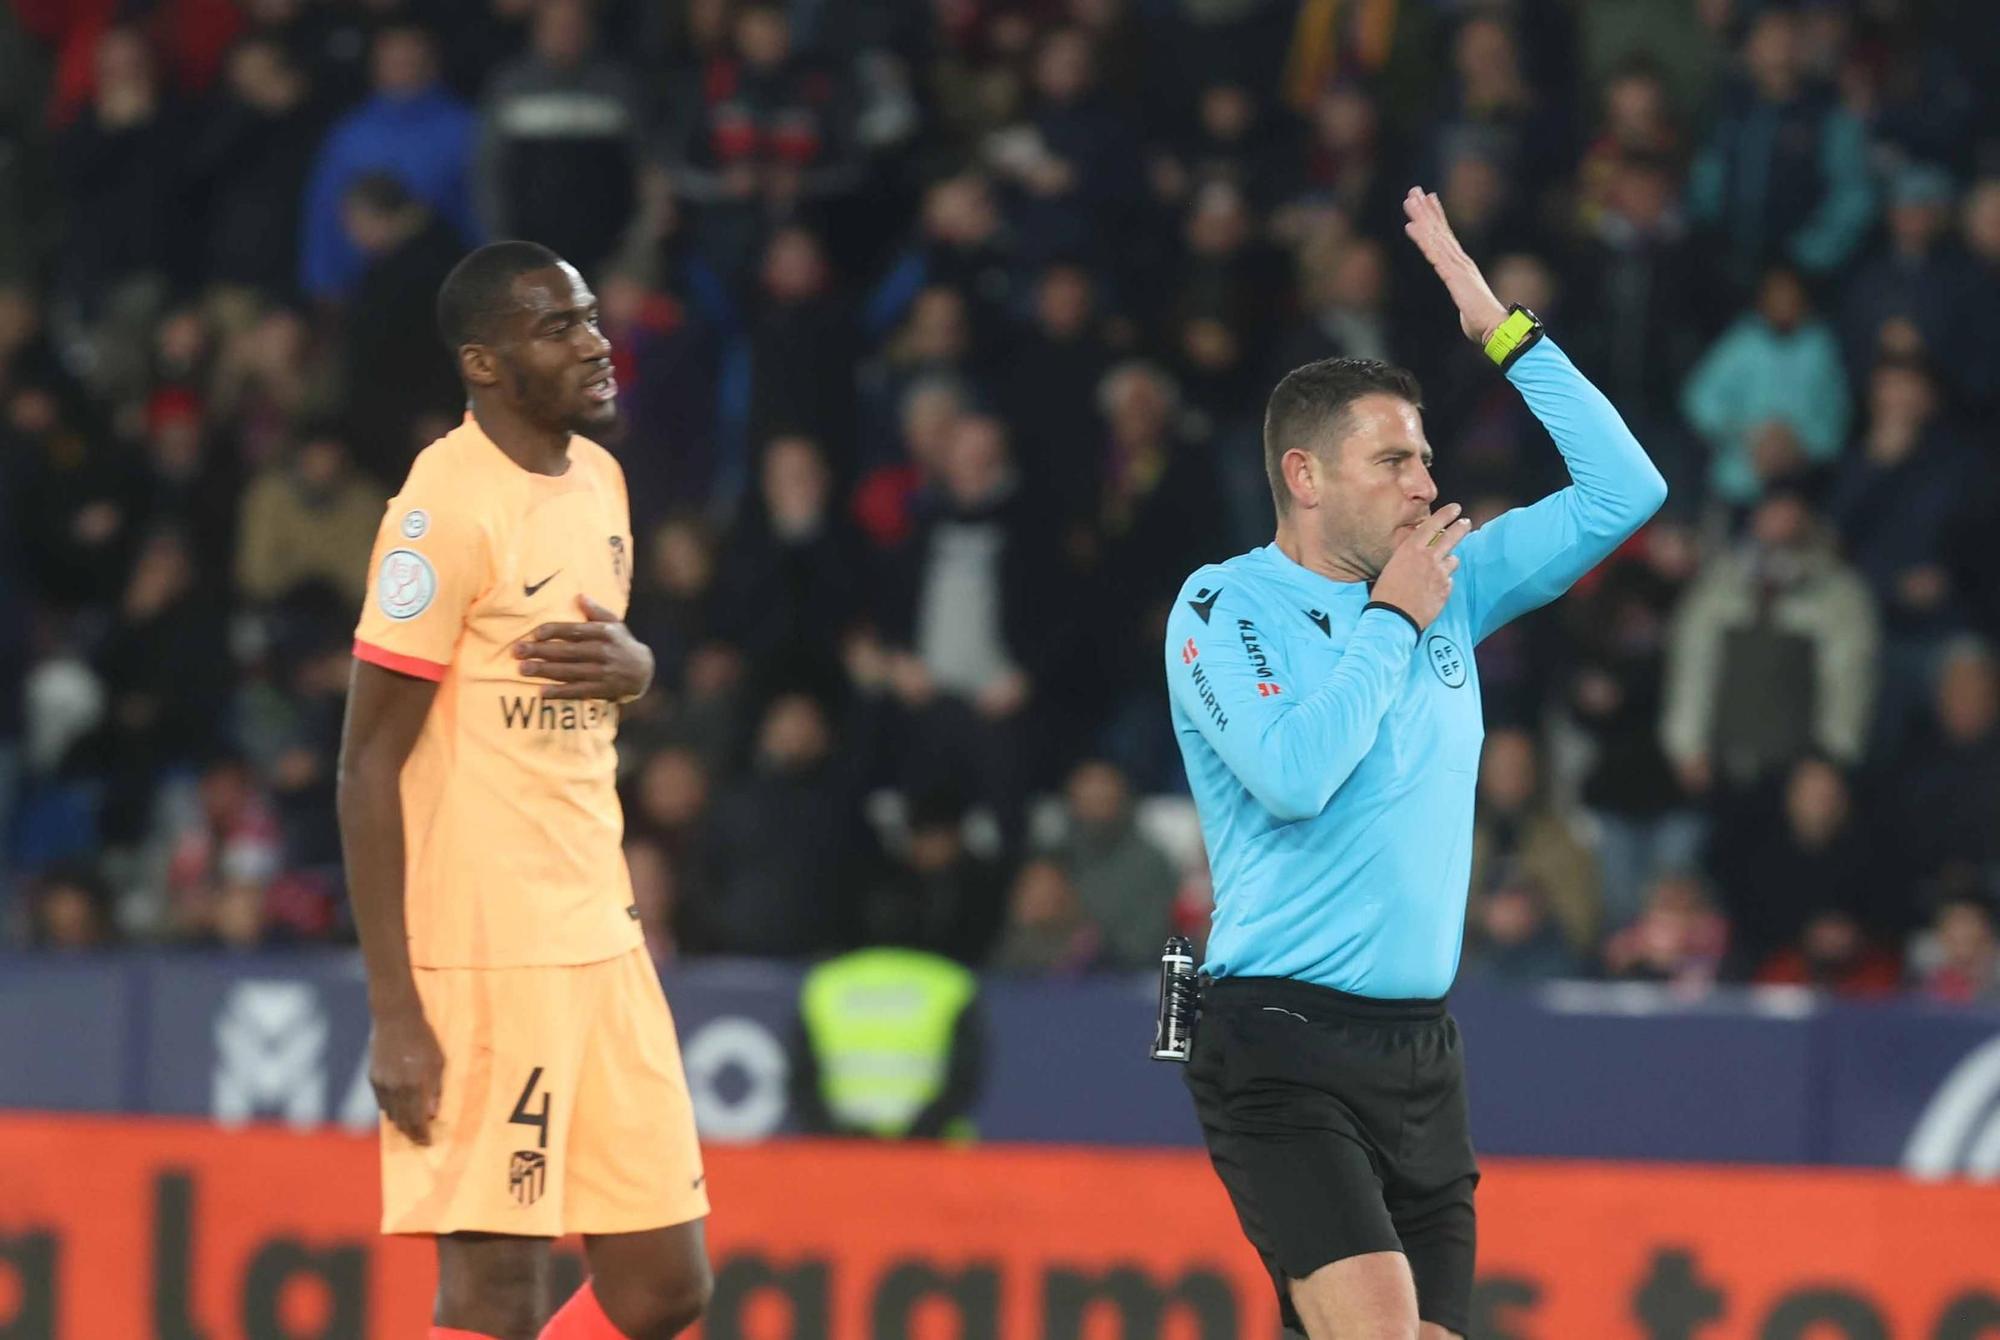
(1301, 471)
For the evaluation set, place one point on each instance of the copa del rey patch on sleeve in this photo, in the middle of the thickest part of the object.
(406, 585)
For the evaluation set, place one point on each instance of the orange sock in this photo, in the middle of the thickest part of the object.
(581, 1319)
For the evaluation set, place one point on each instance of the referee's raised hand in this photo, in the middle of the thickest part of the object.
(1479, 312)
(1417, 577)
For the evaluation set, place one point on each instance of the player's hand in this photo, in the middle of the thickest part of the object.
(598, 658)
(406, 1068)
(1417, 577)
(1479, 312)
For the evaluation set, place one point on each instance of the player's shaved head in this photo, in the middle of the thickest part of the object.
(1309, 409)
(478, 295)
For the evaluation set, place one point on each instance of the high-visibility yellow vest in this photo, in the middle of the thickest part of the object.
(880, 1024)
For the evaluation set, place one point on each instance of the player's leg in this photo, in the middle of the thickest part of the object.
(492, 1285)
(643, 1286)
(1367, 1297)
(636, 1190)
(1430, 1330)
(487, 1186)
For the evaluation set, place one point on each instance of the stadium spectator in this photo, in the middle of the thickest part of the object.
(935, 894)
(791, 849)
(793, 585)
(1343, 288)
(1071, 167)
(1645, 824)
(250, 159)
(1510, 935)
(1947, 788)
(1979, 357)
(1638, 125)
(803, 351)
(411, 128)
(1047, 932)
(223, 852)
(1048, 389)
(310, 517)
(1772, 655)
(1783, 175)
(124, 190)
(1493, 102)
(289, 716)
(402, 388)
(762, 132)
(1769, 397)
(1893, 504)
(960, 243)
(1796, 852)
(1519, 838)
(1155, 481)
(1918, 281)
(933, 342)
(965, 619)
(70, 907)
(1964, 953)
(668, 809)
(189, 480)
(1347, 165)
(889, 495)
(672, 333)
(1638, 300)
(1679, 939)
(1122, 882)
(1834, 953)
(559, 135)
(166, 672)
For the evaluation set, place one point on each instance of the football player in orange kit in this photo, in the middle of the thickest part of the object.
(523, 1054)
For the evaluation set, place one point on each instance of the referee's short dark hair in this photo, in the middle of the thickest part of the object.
(479, 291)
(1309, 409)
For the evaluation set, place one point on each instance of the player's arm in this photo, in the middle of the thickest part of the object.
(1291, 745)
(385, 714)
(430, 563)
(1531, 555)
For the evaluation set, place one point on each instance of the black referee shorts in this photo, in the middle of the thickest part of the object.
(1338, 1124)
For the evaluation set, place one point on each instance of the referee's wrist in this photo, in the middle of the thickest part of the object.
(1415, 628)
(1518, 333)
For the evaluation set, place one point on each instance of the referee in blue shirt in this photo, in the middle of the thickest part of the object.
(1327, 706)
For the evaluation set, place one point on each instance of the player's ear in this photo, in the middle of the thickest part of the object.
(477, 365)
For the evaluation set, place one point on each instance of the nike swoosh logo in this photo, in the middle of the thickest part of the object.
(528, 590)
(699, 1180)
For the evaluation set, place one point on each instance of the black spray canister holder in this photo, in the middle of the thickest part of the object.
(1180, 999)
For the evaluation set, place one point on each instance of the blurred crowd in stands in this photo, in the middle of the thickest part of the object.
(944, 329)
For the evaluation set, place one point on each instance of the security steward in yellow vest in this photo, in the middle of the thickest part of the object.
(890, 1046)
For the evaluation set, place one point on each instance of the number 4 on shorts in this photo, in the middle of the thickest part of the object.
(540, 1119)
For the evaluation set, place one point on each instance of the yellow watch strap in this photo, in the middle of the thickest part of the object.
(1512, 336)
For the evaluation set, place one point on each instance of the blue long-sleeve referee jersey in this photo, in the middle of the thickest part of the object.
(1332, 750)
